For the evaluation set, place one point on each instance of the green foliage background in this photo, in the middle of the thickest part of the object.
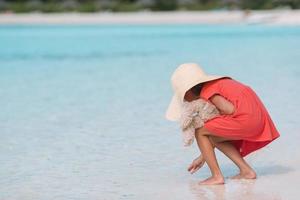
(136, 5)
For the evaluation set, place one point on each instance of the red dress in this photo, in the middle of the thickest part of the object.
(250, 125)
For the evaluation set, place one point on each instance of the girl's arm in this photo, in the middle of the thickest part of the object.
(223, 105)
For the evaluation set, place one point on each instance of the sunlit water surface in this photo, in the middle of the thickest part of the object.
(82, 110)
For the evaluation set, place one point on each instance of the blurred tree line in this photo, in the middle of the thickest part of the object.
(136, 5)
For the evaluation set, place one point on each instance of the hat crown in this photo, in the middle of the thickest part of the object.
(185, 77)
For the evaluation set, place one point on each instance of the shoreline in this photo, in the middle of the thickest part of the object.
(267, 17)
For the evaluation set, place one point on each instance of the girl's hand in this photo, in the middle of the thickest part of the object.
(196, 164)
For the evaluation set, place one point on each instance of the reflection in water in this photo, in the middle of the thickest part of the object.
(207, 192)
(69, 132)
(232, 189)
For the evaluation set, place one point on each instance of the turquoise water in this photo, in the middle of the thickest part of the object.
(82, 107)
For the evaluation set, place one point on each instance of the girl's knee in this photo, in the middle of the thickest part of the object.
(212, 139)
(201, 131)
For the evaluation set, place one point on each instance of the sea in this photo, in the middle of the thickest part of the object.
(83, 109)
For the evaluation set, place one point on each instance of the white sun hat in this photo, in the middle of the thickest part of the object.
(185, 77)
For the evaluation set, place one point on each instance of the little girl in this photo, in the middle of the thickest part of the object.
(244, 125)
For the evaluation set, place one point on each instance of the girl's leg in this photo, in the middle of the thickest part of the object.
(207, 150)
(231, 152)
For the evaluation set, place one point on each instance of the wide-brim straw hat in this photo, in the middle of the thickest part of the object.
(185, 77)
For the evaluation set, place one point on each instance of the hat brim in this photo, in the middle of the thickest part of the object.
(174, 109)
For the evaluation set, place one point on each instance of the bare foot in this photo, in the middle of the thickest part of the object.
(213, 180)
(245, 175)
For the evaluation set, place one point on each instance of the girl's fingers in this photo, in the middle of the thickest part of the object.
(191, 167)
(201, 164)
(195, 166)
(196, 169)
(192, 164)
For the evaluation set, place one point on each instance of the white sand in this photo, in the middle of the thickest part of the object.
(276, 17)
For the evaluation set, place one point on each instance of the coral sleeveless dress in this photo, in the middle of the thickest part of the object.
(250, 126)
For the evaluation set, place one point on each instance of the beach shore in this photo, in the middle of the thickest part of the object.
(83, 106)
(269, 17)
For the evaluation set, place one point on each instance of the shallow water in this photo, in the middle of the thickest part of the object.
(82, 110)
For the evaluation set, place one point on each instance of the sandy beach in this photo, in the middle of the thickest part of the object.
(83, 107)
(272, 17)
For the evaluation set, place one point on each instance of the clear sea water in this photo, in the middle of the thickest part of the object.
(82, 107)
